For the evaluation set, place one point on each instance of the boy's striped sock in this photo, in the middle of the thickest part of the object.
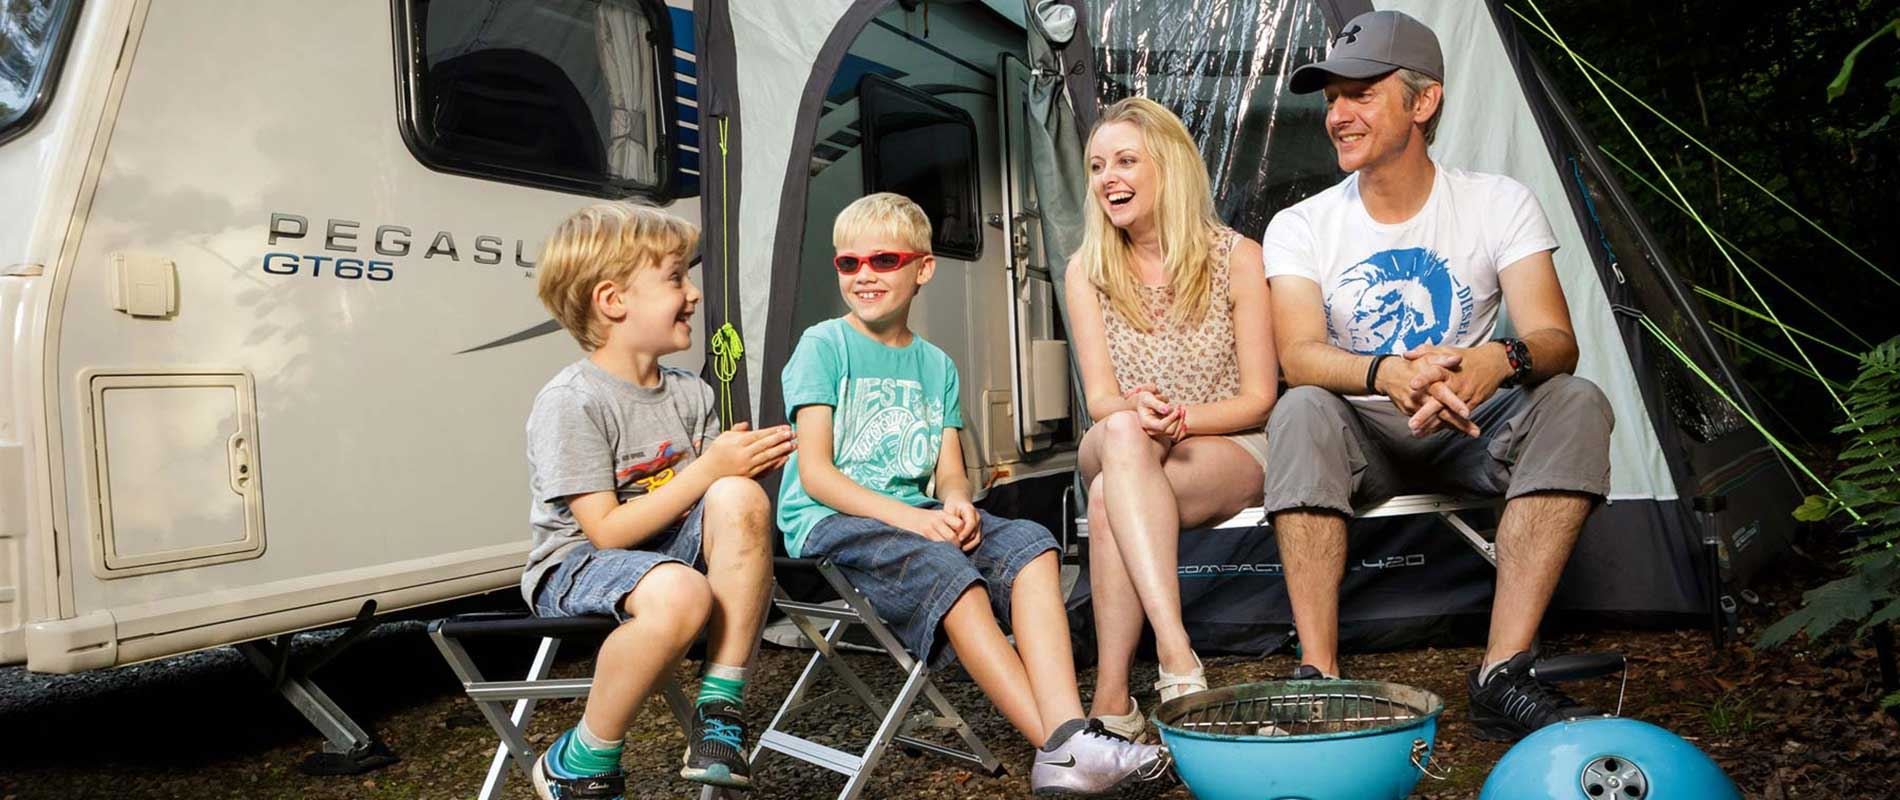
(587, 754)
(722, 683)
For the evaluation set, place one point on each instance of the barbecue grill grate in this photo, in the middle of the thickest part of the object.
(1299, 708)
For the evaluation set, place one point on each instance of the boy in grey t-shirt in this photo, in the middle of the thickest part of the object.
(635, 492)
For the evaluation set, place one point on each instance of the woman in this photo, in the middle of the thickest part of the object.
(1171, 329)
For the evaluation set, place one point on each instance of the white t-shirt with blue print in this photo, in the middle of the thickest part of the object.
(1432, 279)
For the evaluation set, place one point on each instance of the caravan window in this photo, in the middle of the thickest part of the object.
(33, 38)
(564, 94)
(924, 149)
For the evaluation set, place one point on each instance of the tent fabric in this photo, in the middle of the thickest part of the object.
(720, 199)
(1056, 162)
(777, 47)
(1641, 555)
(1408, 577)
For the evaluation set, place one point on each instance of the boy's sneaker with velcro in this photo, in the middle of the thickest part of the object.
(716, 755)
(1513, 703)
(553, 783)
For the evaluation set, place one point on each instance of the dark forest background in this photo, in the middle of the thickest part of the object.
(1751, 81)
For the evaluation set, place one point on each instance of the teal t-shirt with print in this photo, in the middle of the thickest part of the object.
(889, 405)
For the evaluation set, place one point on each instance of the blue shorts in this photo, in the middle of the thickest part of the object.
(590, 581)
(913, 581)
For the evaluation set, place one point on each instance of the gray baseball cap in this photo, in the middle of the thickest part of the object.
(1372, 44)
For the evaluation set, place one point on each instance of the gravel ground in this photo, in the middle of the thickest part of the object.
(1789, 723)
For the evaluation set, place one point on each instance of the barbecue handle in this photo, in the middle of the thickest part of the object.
(1577, 666)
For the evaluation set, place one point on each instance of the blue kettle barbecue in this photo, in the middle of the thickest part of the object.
(1301, 740)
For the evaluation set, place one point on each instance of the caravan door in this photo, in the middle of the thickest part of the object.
(1039, 355)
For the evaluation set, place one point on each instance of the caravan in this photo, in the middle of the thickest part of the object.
(271, 329)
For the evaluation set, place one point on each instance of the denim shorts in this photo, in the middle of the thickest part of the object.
(913, 581)
(589, 581)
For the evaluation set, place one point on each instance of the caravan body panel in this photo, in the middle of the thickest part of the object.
(352, 336)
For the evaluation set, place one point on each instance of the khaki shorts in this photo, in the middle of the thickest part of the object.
(1329, 453)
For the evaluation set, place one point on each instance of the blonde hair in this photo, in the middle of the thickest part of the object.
(883, 214)
(1184, 216)
(604, 242)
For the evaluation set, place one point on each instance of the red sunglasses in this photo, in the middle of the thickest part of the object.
(880, 261)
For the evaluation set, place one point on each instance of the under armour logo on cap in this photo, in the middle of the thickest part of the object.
(1370, 45)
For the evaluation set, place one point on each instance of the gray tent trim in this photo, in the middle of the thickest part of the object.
(789, 242)
(719, 250)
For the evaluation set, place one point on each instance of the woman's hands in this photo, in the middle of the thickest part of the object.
(1164, 421)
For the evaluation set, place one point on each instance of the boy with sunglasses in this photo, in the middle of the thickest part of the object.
(877, 413)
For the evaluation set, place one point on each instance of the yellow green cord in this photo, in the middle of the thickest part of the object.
(727, 347)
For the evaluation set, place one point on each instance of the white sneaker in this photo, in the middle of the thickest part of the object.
(1129, 726)
(1082, 759)
(1172, 686)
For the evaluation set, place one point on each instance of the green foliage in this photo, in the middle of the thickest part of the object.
(1750, 80)
(1890, 701)
(1838, 86)
(1732, 714)
(1866, 491)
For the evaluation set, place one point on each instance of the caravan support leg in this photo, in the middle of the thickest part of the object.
(347, 748)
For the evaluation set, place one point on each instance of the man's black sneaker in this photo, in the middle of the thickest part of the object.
(553, 783)
(716, 754)
(1513, 703)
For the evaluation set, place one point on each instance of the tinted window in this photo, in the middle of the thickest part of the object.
(32, 39)
(924, 149)
(569, 94)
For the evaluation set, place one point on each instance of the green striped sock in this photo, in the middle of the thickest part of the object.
(580, 757)
(721, 687)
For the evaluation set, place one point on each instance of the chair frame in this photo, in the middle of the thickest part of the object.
(492, 697)
(897, 724)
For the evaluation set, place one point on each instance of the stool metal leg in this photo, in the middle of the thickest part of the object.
(895, 724)
(508, 727)
(886, 731)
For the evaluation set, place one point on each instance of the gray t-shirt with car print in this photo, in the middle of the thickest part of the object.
(590, 431)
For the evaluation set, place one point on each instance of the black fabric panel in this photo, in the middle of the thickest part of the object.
(1079, 55)
(789, 240)
(1337, 12)
(719, 99)
(1413, 581)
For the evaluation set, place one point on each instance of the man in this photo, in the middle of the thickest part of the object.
(1385, 292)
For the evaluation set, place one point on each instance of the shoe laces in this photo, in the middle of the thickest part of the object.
(728, 733)
(1096, 728)
(1543, 697)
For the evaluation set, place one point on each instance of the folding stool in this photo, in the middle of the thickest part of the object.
(897, 724)
(492, 697)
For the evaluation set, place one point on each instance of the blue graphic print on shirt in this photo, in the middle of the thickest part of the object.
(1400, 299)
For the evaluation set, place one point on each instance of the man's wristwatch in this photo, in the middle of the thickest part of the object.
(1519, 355)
